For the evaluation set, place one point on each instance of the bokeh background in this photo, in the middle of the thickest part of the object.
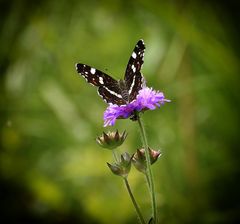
(51, 170)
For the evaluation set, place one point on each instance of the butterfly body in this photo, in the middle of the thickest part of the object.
(119, 92)
(124, 90)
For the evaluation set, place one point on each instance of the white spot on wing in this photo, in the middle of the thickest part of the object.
(93, 70)
(101, 80)
(133, 68)
(134, 55)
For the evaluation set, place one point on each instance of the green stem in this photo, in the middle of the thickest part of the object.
(134, 201)
(149, 171)
(115, 155)
(147, 178)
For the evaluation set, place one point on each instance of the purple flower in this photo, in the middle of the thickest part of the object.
(147, 99)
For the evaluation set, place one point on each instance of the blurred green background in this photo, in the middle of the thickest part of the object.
(51, 170)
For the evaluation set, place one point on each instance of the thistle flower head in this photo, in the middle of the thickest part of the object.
(139, 158)
(111, 140)
(147, 99)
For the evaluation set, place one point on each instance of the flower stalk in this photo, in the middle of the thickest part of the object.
(122, 168)
(149, 174)
(115, 155)
(140, 216)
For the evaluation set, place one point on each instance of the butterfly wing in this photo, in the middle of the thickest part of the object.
(111, 96)
(133, 77)
(94, 76)
(108, 87)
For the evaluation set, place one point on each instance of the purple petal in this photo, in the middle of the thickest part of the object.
(147, 99)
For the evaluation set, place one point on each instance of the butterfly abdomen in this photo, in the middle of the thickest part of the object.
(125, 95)
(124, 90)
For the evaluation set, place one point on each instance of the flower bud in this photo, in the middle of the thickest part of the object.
(139, 158)
(121, 168)
(111, 140)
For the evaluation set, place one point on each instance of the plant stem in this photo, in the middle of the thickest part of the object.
(115, 155)
(149, 171)
(134, 201)
(147, 179)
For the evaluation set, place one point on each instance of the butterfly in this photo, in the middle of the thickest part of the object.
(119, 92)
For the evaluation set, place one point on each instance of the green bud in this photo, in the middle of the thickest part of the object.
(139, 158)
(123, 167)
(111, 140)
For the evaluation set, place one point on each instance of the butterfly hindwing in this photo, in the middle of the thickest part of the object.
(111, 97)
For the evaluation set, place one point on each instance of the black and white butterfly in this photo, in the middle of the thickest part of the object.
(113, 91)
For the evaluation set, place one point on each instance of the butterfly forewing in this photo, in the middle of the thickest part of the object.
(95, 76)
(108, 87)
(133, 77)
